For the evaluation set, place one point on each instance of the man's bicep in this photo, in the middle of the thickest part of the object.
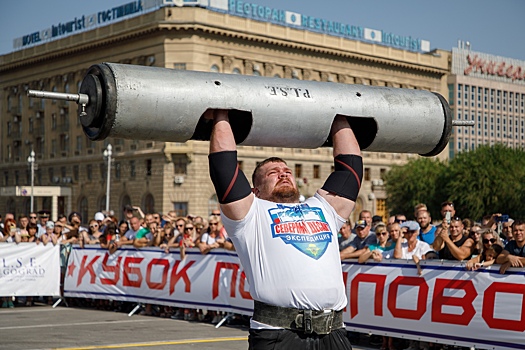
(238, 210)
(342, 206)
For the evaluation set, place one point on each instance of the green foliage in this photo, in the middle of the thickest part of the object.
(484, 181)
(413, 183)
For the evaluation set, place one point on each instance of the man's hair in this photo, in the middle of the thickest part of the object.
(445, 203)
(517, 222)
(259, 165)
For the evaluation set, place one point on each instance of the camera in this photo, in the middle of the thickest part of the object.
(448, 217)
(501, 218)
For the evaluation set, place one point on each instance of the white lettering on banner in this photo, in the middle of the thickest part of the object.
(447, 304)
(29, 269)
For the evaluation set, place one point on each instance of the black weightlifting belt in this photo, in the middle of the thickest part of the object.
(307, 321)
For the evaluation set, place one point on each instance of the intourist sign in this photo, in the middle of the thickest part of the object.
(233, 7)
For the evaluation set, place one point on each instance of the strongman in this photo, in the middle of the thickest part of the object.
(288, 249)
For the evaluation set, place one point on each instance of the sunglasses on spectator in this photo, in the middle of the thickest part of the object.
(486, 241)
(93, 226)
(188, 228)
(216, 214)
(455, 218)
(213, 223)
(180, 225)
(381, 233)
(32, 217)
(474, 232)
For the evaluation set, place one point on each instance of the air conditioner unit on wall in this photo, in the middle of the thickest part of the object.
(178, 180)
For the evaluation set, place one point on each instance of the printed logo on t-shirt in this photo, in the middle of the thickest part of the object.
(303, 227)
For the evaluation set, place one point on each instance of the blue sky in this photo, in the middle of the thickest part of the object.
(492, 26)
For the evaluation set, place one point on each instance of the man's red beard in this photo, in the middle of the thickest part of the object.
(285, 194)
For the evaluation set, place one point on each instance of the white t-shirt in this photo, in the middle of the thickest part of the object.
(290, 253)
(421, 249)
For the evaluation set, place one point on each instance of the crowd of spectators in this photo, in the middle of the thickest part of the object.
(495, 239)
(167, 232)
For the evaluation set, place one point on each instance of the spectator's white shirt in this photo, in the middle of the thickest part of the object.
(421, 249)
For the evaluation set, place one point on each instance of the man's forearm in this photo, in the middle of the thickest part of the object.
(222, 138)
(343, 138)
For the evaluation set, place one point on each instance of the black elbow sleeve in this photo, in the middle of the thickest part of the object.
(346, 179)
(230, 182)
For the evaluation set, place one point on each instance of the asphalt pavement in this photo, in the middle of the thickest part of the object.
(42, 327)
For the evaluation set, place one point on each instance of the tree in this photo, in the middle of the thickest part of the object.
(488, 180)
(413, 183)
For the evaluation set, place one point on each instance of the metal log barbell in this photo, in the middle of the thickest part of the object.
(150, 103)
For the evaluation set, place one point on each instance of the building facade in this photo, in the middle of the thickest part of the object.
(489, 90)
(164, 176)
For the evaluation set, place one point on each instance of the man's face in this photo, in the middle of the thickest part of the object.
(44, 219)
(519, 233)
(129, 214)
(447, 208)
(345, 231)
(507, 230)
(179, 225)
(367, 217)
(156, 217)
(32, 218)
(456, 228)
(423, 219)
(362, 232)
(24, 222)
(135, 224)
(276, 183)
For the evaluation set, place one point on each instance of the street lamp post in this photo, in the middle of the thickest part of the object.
(31, 160)
(107, 155)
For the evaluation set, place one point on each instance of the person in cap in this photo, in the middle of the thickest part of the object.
(411, 245)
(363, 238)
(43, 218)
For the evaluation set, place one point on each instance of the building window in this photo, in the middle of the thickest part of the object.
(89, 172)
(367, 174)
(79, 144)
(6, 178)
(215, 69)
(76, 172)
(51, 174)
(317, 171)
(382, 173)
(132, 170)
(180, 208)
(179, 66)
(149, 203)
(117, 170)
(180, 163)
(298, 171)
(83, 208)
(148, 167)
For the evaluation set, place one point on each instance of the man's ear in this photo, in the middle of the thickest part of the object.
(255, 191)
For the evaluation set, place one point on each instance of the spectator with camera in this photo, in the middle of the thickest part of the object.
(450, 243)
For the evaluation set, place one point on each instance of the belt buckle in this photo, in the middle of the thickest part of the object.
(307, 321)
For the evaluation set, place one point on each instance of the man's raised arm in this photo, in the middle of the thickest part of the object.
(232, 188)
(342, 186)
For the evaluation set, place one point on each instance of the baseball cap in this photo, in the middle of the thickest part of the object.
(99, 216)
(411, 225)
(360, 223)
(50, 224)
(75, 213)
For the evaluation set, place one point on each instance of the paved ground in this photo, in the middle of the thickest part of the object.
(43, 327)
